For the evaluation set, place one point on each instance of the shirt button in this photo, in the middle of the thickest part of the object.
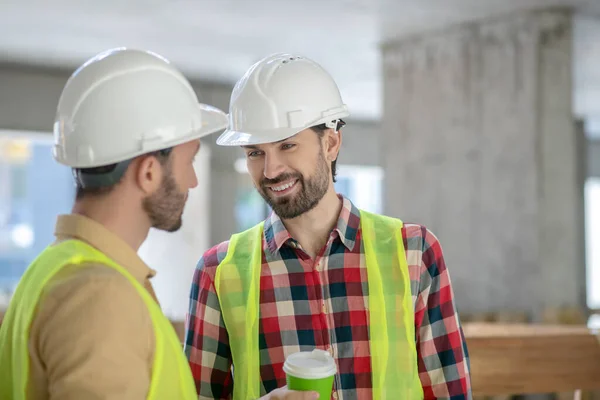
(330, 350)
(335, 395)
(323, 308)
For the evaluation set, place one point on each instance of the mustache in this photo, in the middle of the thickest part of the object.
(280, 178)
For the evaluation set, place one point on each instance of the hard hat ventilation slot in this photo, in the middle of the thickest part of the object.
(290, 59)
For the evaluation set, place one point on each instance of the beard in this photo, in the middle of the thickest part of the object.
(311, 190)
(165, 207)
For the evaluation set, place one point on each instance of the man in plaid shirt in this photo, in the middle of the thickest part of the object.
(286, 113)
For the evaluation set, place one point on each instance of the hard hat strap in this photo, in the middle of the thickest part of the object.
(335, 124)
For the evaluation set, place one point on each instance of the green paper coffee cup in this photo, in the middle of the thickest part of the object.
(311, 371)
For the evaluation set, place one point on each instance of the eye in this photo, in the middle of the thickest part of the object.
(254, 154)
(287, 146)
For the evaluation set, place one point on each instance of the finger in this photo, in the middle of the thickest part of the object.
(294, 395)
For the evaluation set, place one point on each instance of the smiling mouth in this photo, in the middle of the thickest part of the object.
(283, 188)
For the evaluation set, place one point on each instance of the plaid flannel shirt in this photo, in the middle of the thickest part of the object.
(322, 303)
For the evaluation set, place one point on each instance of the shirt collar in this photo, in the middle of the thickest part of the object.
(79, 227)
(276, 234)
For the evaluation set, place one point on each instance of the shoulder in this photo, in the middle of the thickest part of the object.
(420, 240)
(92, 281)
(211, 259)
(94, 301)
(415, 236)
(419, 237)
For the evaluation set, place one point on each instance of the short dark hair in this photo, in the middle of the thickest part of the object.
(109, 176)
(320, 130)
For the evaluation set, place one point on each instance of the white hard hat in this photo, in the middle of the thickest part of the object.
(123, 103)
(278, 97)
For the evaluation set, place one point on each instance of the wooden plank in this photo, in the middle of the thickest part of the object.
(532, 359)
(489, 330)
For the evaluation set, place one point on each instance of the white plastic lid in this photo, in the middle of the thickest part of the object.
(314, 364)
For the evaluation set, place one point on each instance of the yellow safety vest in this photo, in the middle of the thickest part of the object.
(171, 375)
(391, 314)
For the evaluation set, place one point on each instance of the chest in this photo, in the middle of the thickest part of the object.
(334, 282)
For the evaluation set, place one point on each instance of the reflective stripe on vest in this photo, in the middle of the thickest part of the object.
(171, 375)
(391, 314)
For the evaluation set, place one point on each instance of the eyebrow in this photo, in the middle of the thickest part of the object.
(254, 147)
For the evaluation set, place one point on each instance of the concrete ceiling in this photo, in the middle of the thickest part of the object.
(219, 39)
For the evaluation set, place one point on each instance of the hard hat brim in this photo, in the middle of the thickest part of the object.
(236, 138)
(213, 121)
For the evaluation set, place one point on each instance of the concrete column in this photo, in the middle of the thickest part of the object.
(480, 145)
(593, 158)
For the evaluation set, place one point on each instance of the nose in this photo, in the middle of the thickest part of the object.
(194, 180)
(273, 166)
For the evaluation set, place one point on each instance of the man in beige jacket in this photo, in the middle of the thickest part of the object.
(128, 123)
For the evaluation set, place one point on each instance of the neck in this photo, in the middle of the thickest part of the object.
(128, 223)
(312, 229)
